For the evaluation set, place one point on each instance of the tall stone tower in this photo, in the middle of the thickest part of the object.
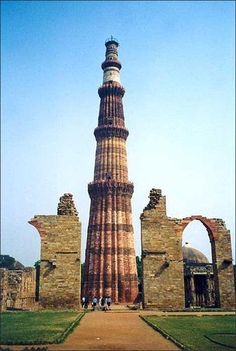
(110, 264)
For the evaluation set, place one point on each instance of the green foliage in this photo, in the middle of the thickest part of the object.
(198, 333)
(82, 274)
(7, 261)
(37, 327)
(139, 268)
(37, 264)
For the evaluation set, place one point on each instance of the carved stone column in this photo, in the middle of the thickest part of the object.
(110, 264)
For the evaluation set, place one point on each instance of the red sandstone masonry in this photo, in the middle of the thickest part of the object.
(110, 265)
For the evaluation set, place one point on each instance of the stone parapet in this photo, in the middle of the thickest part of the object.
(104, 188)
(110, 131)
(111, 88)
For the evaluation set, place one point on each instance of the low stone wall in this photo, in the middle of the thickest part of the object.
(17, 289)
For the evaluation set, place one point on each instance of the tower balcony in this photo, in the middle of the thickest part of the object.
(110, 131)
(110, 187)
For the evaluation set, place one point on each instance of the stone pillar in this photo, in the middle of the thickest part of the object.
(224, 266)
(110, 265)
(193, 292)
(211, 291)
(208, 290)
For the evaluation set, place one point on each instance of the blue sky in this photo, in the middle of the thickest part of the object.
(178, 72)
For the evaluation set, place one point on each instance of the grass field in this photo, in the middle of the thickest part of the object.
(206, 333)
(37, 327)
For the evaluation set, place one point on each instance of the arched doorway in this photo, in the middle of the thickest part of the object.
(162, 257)
(198, 273)
(211, 229)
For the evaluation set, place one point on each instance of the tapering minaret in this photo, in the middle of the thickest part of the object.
(110, 264)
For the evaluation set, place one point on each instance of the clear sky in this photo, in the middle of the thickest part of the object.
(178, 72)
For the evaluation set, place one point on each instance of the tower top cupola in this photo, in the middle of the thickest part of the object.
(111, 66)
(112, 40)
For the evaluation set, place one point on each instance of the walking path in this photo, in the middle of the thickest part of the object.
(119, 329)
(114, 331)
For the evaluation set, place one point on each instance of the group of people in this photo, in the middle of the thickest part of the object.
(98, 303)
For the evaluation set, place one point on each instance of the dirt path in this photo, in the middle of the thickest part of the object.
(114, 331)
(111, 331)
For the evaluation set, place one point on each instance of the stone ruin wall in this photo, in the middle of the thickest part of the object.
(163, 284)
(163, 279)
(163, 276)
(17, 289)
(60, 265)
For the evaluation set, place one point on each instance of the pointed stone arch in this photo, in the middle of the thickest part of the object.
(199, 282)
(162, 259)
(222, 260)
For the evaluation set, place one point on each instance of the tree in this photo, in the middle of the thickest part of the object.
(37, 264)
(82, 275)
(139, 268)
(9, 262)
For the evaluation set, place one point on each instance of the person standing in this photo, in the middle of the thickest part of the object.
(100, 303)
(82, 301)
(94, 303)
(109, 302)
(86, 303)
(105, 304)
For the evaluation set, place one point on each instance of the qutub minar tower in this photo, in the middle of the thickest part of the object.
(110, 263)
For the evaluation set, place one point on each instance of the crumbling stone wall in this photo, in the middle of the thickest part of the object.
(163, 278)
(60, 256)
(3, 289)
(17, 288)
(163, 284)
(66, 206)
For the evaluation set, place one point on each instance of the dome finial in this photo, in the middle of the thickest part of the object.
(112, 40)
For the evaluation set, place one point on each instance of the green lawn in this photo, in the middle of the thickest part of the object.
(206, 333)
(37, 327)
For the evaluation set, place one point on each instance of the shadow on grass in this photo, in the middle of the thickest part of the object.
(227, 340)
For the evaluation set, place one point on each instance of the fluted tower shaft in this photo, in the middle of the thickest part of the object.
(110, 264)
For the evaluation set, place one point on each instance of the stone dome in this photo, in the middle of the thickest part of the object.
(191, 255)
